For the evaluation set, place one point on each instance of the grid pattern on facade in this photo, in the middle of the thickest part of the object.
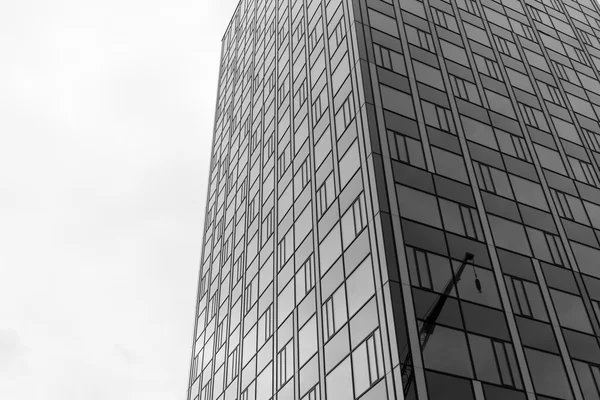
(361, 148)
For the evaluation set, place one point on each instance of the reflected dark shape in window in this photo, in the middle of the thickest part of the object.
(548, 374)
(450, 314)
(485, 321)
(447, 351)
(467, 288)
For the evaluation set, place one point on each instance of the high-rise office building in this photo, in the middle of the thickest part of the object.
(404, 202)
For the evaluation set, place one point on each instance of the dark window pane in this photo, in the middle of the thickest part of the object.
(447, 351)
(548, 374)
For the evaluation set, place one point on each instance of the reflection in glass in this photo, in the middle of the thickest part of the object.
(447, 351)
(548, 374)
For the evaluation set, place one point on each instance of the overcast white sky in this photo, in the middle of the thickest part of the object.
(106, 116)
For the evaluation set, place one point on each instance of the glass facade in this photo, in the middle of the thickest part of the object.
(362, 148)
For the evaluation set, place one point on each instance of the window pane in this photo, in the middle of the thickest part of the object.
(330, 249)
(447, 351)
(509, 235)
(571, 311)
(548, 374)
(449, 164)
(360, 286)
(419, 206)
(338, 387)
(484, 359)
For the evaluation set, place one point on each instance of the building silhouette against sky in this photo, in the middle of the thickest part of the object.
(368, 151)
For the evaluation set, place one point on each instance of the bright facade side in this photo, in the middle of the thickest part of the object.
(404, 202)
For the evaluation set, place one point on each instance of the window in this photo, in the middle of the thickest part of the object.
(550, 93)
(232, 364)
(397, 101)
(526, 298)
(500, 104)
(307, 340)
(285, 248)
(419, 38)
(285, 364)
(313, 394)
(250, 295)
(298, 32)
(479, 132)
(446, 20)
(368, 363)
(360, 286)
(337, 382)
(428, 75)
(492, 179)
(334, 312)
(593, 139)
(320, 106)
(305, 279)
(300, 96)
(571, 311)
(461, 219)
(330, 249)
(339, 33)
(447, 351)
(469, 5)
(406, 149)
(494, 361)
(548, 374)
(488, 67)
(265, 325)
(315, 35)
(513, 145)
(285, 159)
(389, 59)
(528, 192)
(267, 226)
(583, 171)
(509, 235)
(506, 47)
(449, 165)
(418, 206)
(345, 114)
(353, 221)
(547, 247)
(570, 207)
(589, 379)
(437, 116)
(325, 195)
(550, 159)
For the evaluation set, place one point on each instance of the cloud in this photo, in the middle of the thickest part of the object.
(106, 119)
